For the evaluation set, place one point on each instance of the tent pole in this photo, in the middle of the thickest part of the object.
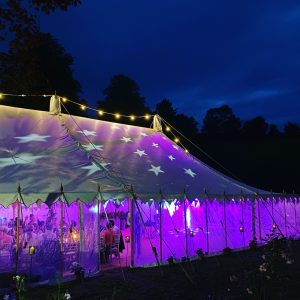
(206, 225)
(81, 231)
(295, 211)
(225, 221)
(160, 231)
(259, 221)
(61, 234)
(285, 221)
(17, 230)
(243, 220)
(272, 207)
(131, 210)
(98, 228)
(253, 219)
(185, 228)
(272, 210)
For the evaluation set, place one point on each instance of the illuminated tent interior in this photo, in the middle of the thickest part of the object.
(63, 177)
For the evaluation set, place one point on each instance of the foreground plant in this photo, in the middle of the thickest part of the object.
(20, 286)
(266, 279)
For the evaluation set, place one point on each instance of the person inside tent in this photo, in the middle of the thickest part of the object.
(115, 231)
(108, 240)
(114, 228)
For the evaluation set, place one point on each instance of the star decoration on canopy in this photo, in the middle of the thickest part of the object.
(144, 134)
(189, 172)
(104, 165)
(126, 139)
(175, 147)
(140, 153)
(90, 147)
(87, 132)
(20, 159)
(33, 137)
(156, 170)
(155, 145)
(171, 157)
(93, 168)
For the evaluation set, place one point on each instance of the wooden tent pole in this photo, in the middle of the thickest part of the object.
(61, 234)
(295, 210)
(206, 220)
(131, 211)
(272, 206)
(81, 229)
(185, 228)
(253, 219)
(206, 224)
(225, 221)
(243, 221)
(285, 219)
(160, 231)
(98, 228)
(259, 221)
(17, 228)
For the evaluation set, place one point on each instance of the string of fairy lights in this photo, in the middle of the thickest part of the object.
(101, 112)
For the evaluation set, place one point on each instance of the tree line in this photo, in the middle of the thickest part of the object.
(255, 151)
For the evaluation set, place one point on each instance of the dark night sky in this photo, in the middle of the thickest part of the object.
(199, 54)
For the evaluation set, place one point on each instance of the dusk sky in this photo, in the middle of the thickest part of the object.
(198, 54)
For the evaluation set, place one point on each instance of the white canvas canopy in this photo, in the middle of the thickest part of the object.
(40, 152)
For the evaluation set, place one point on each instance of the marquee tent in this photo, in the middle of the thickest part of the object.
(63, 176)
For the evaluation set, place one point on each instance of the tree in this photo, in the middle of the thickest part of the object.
(187, 126)
(221, 123)
(38, 65)
(122, 95)
(292, 130)
(165, 109)
(19, 18)
(273, 131)
(255, 128)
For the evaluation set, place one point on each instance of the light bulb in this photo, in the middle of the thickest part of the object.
(100, 112)
(117, 116)
(1, 96)
(168, 129)
(64, 99)
(132, 118)
(147, 117)
(176, 140)
(83, 107)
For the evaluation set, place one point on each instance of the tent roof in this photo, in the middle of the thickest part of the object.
(39, 152)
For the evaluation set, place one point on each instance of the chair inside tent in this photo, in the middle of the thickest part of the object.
(63, 178)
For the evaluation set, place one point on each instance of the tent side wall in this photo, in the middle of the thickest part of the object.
(52, 239)
(210, 225)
